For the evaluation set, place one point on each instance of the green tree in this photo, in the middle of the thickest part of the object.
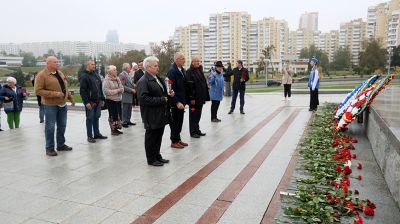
(165, 52)
(313, 51)
(342, 59)
(29, 60)
(118, 59)
(19, 76)
(395, 59)
(373, 56)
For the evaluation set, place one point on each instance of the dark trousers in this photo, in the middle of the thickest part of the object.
(234, 97)
(214, 108)
(176, 124)
(287, 90)
(194, 118)
(126, 113)
(152, 144)
(92, 120)
(114, 110)
(314, 102)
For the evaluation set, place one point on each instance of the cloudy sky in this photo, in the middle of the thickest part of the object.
(152, 20)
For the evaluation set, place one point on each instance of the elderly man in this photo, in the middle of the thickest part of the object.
(154, 109)
(197, 94)
(139, 73)
(240, 77)
(176, 74)
(91, 91)
(127, 97)
(52, 86)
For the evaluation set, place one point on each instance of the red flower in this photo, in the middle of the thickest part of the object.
(335, 143)
(369, 211)
(354, 156)
(337, 200)
(346, 170)
(338, 168)
(358, 219)
(297, 210)
(170, 81)
(359, 166)
(123, 78)
(360, 206)
(359, 177)
(354, 140)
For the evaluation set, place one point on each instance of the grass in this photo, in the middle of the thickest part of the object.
(77, 98)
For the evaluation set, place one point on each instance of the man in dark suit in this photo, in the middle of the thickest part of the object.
(176, 74)
(154, 109)
(197, 94)
(240, 77)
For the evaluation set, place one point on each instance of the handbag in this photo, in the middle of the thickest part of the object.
(8, 105)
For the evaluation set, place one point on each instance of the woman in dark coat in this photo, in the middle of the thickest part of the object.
(12, 96)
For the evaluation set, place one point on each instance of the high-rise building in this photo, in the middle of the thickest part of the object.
(227, 38)
(112, 37)
(190, 39)
(351, 35)
(328, 43)
(300, 39)
(309, 21)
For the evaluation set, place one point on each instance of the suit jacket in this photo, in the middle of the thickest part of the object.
(155, 111)
(197, 85)
(127, 82)
(179, 84)
(240, 77)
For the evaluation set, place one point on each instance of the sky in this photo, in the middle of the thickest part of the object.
(152, 20)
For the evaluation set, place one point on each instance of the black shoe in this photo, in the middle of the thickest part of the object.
(64, 148)
(125, 125)
(156, 163)
(230, 112)
(201, 133)
(41, 121)
(214, 120)
(114, 133)
(163, 160)
(51, 152)
(242, 112)
(118, 131)
(1, 129)
(219, 120)
(100, 136)
(131, 123)
(195, 136)
(310, 109)
(91, 140)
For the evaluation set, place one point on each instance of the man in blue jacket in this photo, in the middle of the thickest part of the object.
(176, 74)
(91, 91)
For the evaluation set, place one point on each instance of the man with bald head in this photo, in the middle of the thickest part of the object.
(52, 86)
(176, 74)
(197, 94)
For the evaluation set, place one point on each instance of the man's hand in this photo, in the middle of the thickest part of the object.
(180, 106)
(103, 103)
(133, 91)
(7, 98)
(192, 102)
(88, 106)
(73, 103)
(171, 94)
(60, 94)
(121, 90)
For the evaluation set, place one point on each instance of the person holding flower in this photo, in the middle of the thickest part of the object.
(240, 77)
(13, 95)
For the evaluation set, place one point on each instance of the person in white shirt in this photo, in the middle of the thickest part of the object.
(313, 85)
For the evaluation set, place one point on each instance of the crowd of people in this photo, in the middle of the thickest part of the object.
(162, 102)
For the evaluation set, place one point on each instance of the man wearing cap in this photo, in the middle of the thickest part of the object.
(313, 85)
(240, 77)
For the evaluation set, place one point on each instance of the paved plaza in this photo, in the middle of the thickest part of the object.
(229, 175)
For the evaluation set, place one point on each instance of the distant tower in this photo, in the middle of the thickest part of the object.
(309, 21)
(112, 37)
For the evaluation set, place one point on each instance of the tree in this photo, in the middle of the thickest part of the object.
(313, 51)
(373, 56)
(19, 76)
(165, 52)
(29, 60)
(395, 59)
(118, 59)
(342, 59)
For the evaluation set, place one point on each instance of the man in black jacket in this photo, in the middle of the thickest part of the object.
(176, 74)
(197, 94)
(91, 91)
(227, 80)
(240, 77)
(136, 77)
(154, 109)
